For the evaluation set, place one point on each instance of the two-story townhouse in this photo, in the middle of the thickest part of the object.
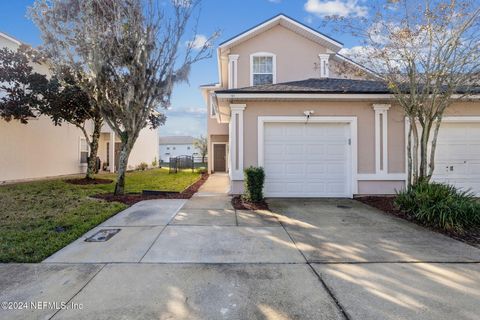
(40, 149)
(320, 124)
(175, 146)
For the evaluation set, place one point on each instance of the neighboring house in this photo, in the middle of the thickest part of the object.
(320, 124)
(174, 146)
(40, 149)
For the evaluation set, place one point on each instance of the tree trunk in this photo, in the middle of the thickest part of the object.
(92, 160)
(414, 151)
(434, 148)
(122, 166)
(409, 158)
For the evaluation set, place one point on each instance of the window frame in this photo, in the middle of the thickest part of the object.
(80, 151)
(274, 65)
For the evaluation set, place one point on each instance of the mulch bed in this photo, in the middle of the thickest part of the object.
(386, 204)
(132, 198)
(240, 204)
(84, 181)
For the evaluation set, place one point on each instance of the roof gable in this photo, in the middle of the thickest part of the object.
(288, 23)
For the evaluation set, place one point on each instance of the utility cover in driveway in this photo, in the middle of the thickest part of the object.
(103, 235)
(307, 160)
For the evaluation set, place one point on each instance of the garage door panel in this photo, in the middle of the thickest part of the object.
(458, 156)
(306, 160)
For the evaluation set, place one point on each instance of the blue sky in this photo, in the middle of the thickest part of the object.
(188, 113)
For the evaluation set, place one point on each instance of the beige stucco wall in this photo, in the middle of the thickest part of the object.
(365, 115)
(295, 55)
(362, 110)
(145, 148)
(38, 149)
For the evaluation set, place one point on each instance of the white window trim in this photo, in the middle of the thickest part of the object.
(274, 65)
(353, 154)
(80, 139)
(226, 155)
(381, 138)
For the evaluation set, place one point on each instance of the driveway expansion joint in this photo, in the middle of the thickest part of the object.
(327, 289)
(78, 292)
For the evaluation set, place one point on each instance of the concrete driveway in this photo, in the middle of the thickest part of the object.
(201, 259)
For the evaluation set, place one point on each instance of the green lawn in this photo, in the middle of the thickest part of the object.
(39, 218)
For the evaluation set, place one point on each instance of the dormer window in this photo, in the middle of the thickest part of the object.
(263, 68)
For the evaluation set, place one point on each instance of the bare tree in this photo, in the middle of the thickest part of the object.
(201, 144)
(126, 54)
(428, 53)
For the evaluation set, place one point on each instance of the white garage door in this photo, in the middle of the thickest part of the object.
(307, 160)
(458, 155)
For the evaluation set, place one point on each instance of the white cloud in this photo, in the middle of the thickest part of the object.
(199, 42)
(342, 8)
(275, 1)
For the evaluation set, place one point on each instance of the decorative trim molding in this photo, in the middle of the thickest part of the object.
(232, 71)
(236, 141)
(381, 138)
(324, 65)
(381, 177)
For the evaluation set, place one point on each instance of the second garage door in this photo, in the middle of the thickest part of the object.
(307, 160)
(458, 155)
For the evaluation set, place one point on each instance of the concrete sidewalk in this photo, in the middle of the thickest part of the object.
(202, 259)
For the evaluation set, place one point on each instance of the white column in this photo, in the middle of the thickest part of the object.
(381, 138)
(236, 141)
(111, 163)
(232, 71)
(324, 68)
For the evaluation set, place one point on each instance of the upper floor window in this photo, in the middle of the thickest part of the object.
(263, 68)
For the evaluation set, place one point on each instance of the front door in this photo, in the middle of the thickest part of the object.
(219, 158)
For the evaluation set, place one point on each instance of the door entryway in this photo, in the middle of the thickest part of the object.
(219, 157)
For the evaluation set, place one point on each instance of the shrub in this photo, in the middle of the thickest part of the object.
(202, 170)
(154, 163)
(142, 166)
(254, 180)
(440, 205)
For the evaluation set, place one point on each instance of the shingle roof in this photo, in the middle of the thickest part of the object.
(329, 85)
(324, 85)
(176, 140)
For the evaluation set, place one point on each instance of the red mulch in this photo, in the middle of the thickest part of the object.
(240, 204)
(386, 204)
(85, 181)
(132, 198)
